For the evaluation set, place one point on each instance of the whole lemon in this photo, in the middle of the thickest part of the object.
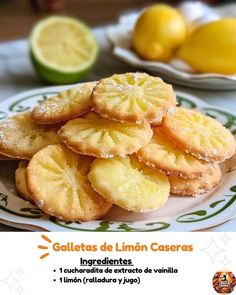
(212, 47)
(159, 30)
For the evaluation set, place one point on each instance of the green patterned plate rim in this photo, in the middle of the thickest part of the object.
(180, 214)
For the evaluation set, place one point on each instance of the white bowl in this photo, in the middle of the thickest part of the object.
(175, 72)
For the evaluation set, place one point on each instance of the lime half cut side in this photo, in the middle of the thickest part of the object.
(62, 49)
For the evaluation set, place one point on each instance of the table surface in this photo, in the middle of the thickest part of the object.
(17, 75)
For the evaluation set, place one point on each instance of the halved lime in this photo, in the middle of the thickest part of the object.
(62, 49)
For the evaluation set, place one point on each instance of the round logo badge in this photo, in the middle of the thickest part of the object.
(224, 282)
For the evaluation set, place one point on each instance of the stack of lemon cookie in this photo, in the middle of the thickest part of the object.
(121, 141)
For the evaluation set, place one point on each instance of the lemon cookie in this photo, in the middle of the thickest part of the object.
(129, 184)
(65, 106)
(21, 138)
(20, 180)
(96, 136)
(57, 180)
(133, 97)
(199, 135)
(197, 186)
(162, 154)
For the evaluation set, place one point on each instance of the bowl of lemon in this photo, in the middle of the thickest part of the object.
(192, 45)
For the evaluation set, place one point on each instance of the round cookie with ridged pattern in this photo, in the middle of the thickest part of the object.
(161, 154)
(20, 138)
(129, 184)
(133, 97)
(58, 183)
(200, 135)
(64, 106)
(99, 137)
(196, 186)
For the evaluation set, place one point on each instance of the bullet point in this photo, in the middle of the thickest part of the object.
(54, 280)
(54, 270)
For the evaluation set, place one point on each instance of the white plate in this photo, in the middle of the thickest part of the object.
(120, 36)
(180, 214)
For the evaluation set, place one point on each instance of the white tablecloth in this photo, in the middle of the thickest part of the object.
(17, 75)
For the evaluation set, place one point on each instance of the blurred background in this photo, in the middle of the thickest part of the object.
(18, 16)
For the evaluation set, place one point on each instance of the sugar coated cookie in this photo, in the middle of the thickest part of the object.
(129, 184)
(57, 180)
(199, 135)
(20, 138)
(133, 97)
(65, 106)
(20, 180)
(96, 136)
(161, 154)
(197, 186)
